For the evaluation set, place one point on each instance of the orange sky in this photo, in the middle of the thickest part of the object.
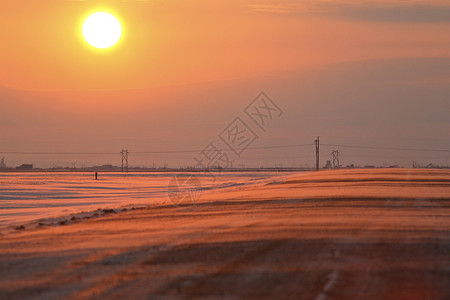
(174, 41)
(352, 71)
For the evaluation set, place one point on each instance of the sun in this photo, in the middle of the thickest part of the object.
(102, 30)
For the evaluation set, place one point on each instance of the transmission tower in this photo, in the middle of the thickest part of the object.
(316, 142)
(124, 160)
(335, 155)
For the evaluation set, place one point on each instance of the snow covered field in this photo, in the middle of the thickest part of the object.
(342, 234)
(34, 195)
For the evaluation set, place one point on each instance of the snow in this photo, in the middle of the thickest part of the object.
(343, 234)
(26, 197)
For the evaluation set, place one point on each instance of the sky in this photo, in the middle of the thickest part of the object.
(372, 73)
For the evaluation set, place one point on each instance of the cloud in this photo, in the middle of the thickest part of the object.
(276, 8)
(418, 12)
(146, 2)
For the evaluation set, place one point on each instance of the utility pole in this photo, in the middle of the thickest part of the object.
(125, 160)
(335, 155)
(317, 143)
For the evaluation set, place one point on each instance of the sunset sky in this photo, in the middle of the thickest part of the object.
(353, 72)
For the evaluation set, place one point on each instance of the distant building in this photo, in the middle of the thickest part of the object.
(25, 167)
(328, 165)
(2, 164)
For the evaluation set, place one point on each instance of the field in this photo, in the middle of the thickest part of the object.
(49, 197)
(344, 234)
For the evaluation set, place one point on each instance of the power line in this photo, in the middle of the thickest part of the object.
(124, 160)
(196, 151)
(62, 153)
(223, 149)
(146, 152)
(317, 144)
(386, 148)
(335, 154)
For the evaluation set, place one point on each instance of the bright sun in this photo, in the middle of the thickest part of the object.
(102, 30)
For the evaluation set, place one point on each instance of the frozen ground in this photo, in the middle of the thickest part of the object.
(346, 234)
(29, 196)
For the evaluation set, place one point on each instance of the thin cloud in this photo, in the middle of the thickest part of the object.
(418, 12)
(275, 8)
(147, 2)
